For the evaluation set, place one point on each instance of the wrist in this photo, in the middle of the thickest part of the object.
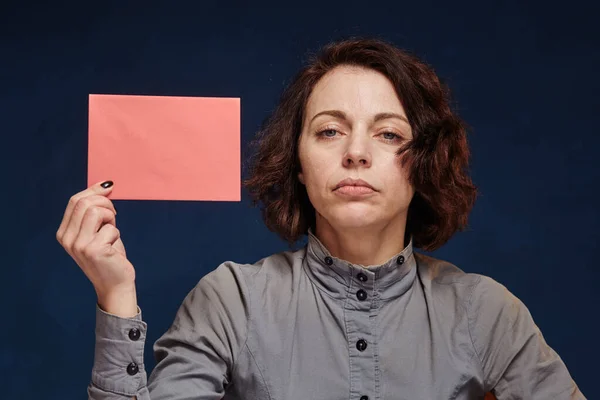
(122, 303)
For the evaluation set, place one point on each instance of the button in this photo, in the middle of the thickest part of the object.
(364, 397)
(361, 345)
(134, 334)
(400, 260)
(328, 260)
(132, 369)
(361, 295)
(361, 277)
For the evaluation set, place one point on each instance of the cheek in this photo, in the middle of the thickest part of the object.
(398, 182)
(316, 172)
(315, 179)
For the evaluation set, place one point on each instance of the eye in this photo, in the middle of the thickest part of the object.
(328, 133)
(391, 136)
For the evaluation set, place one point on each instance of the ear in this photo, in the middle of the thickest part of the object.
(301, 177)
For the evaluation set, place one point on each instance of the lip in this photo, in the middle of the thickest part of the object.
(354, 191)
(358, 183)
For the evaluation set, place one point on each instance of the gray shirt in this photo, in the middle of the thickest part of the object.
(305, 325)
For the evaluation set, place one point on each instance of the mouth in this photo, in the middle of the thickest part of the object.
(354, 187)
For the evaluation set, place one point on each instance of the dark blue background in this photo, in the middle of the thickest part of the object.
(524, 77)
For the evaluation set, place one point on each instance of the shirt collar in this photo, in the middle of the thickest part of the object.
(341, 278)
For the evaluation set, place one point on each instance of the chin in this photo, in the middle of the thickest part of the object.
(351, 216)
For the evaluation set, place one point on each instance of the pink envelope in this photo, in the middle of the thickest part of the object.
(165, 148)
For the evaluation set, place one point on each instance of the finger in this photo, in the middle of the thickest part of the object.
(93, 220)
(96, 189)
(102, 243)
(99, 248)
(78, 214)
(107, 235)
(120, 247)
(101, 188)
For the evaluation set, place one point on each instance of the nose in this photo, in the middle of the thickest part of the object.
(357, 153)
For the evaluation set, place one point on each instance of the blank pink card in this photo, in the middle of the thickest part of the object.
(165, 148)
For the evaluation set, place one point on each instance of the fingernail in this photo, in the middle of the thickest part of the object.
(107, 184)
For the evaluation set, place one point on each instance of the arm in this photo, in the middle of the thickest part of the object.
(119, 343)
(516, 361)
(194, 358)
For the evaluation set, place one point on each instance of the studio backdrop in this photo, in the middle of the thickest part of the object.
(522, 74)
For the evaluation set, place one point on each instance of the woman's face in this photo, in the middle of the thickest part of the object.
(354, 124)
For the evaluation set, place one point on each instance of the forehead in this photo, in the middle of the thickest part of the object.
(354, 90)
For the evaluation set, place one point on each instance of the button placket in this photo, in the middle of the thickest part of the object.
(359, 306)
(363, 285)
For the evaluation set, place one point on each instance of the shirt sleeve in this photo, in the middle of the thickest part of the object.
(516, 361)
(194, 357)
(118, 370)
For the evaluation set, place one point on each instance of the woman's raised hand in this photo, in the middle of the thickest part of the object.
(88, 232)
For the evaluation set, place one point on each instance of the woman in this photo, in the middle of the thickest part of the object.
(363, 155)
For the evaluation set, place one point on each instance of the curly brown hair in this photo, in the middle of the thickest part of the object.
(437, 157)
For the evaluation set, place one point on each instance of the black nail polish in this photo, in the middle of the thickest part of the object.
(107, 184)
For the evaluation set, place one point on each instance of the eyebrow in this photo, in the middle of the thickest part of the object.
(341, 115)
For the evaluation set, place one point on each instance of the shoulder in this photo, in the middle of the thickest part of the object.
(228, 290)
(239, 279)
(478, 293)
(445, 280)
(492, 307)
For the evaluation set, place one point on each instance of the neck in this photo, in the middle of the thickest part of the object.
(362, 245)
